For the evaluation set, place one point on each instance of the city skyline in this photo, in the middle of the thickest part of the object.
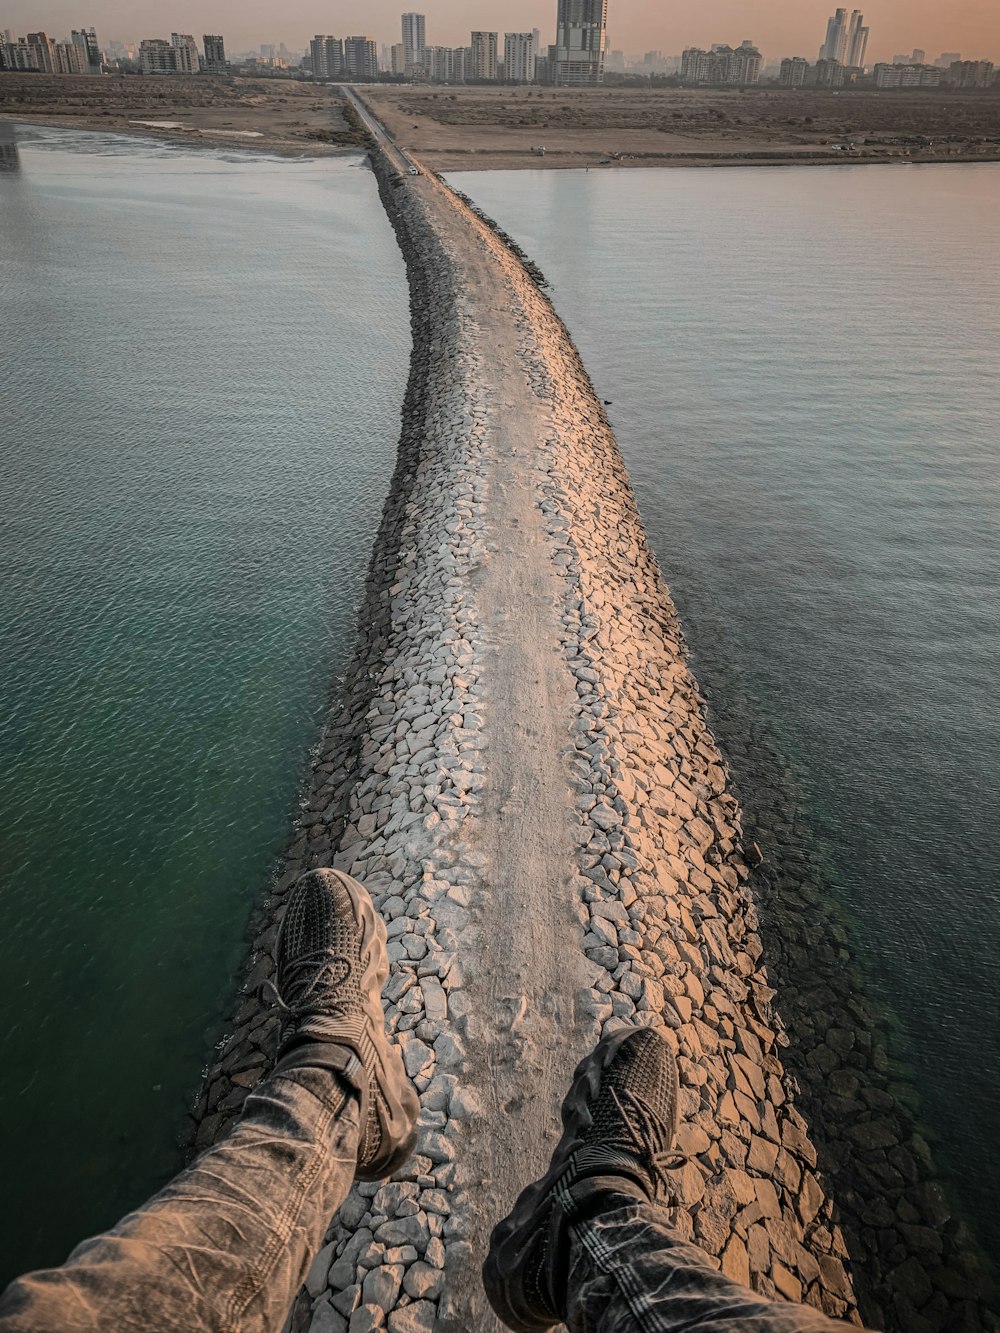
(634, 25)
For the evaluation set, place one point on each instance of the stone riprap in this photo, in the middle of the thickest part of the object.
(520, 769)
(657, 924)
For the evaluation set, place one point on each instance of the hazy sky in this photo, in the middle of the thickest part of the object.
(780, 27)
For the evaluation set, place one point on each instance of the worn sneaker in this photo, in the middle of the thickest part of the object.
(331, 967)
(619, 1119)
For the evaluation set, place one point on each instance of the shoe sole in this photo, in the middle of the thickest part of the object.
(513, 1237)
(397, 1105)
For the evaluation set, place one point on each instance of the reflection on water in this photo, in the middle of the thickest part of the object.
(9, 160)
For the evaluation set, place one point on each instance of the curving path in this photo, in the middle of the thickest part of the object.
(522, 773)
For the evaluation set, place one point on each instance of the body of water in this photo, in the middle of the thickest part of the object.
(803, 373)
(204, 357)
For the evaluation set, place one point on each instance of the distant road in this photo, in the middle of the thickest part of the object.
(400, 160)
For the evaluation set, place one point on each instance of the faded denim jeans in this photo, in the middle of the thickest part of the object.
(628, 1271)
(227, 1244)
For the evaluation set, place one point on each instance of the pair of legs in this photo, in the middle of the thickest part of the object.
(226, 1245)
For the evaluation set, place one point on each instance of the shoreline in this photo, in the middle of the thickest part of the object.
(193, 138)
(446, 162)
(449, 162)
(427, 847)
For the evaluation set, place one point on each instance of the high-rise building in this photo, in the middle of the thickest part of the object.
(837, 36)
(857, 41)
(794, 72)
(215, 54)
(415, 41)
(43, 50)
(723, 64)
(948, 58)
(361, 57)
(398, 60)
(447, 64)
(71, 58)
(827, 74)
(157, 56)
(519, 53)
(581, 42)
(484, 56)
(87, 38)
(846, 39)
(186, 60)
(970, 73)
(908, 76)
(327, 56)
(834, 28)
(20, 55)
(918, 57)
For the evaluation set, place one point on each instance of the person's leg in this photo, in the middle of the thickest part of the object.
(588, 1245)
(226, 1245)
(628, 1270)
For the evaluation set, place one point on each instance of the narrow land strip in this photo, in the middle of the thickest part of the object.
(522, 773)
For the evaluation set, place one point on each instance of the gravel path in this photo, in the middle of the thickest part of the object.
(521, 771)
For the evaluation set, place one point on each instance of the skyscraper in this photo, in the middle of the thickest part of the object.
(581, 41)
(361, 57)
(484, 56)
(186, 60)
(519, 52)
(87, 38)
(71, 58)
(215, 54)
(846, 39)
(327, 56)
(43, 50)
(857, 41)
(415, 41)
(835, 46)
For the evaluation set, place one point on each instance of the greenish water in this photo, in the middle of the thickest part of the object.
(204, 359)
(802, 368)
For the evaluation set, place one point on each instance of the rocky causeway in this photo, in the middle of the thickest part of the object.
(521, 770)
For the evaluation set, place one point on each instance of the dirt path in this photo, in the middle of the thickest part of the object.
(525, 964)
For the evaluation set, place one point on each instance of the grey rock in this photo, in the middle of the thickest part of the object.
(420, 1317)
(366, 1319)
(381, 1286)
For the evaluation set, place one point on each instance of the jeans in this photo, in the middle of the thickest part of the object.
(227, 1244)
(628, 1271)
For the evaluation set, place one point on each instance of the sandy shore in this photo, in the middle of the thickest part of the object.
(279, 116)
(478, 129)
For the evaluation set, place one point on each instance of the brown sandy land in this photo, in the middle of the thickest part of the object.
(490, 128)
(290, 116)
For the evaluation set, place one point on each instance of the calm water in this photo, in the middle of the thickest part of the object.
(203, 358)
(803, 366)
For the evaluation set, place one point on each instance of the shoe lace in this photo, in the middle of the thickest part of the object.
(324, 975)
(650, 1141)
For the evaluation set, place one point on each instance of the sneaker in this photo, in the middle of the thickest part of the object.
(331, 967)
(619, 1119)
